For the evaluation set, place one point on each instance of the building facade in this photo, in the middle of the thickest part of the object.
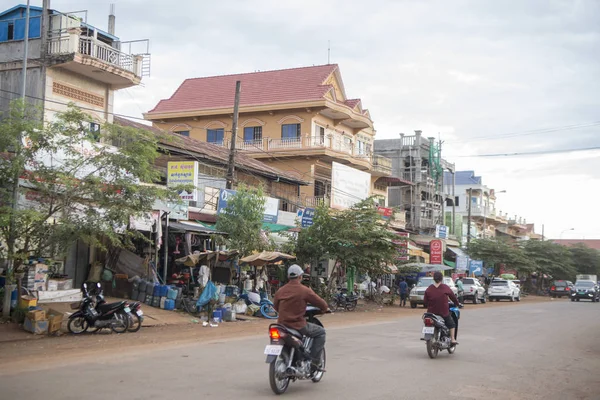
(298, 120)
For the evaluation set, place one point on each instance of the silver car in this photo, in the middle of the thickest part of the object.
(473, 290)
(418, 292)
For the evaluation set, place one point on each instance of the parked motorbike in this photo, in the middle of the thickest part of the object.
(289, 354)
(135, 315)
(343, 300)
(437, 335)
(92, 316)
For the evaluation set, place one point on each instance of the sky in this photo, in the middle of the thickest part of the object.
(484, 76)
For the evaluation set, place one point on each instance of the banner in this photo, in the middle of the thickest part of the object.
(402, 246)
(183, 173)
(271, 205)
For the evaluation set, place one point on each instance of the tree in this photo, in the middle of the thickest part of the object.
(497, 252)
(71, 183)
(551, 259)
(242, 220)
(585, 259)
(355, 237)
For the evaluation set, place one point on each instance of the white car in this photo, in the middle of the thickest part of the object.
(504, 289)
(418, 292)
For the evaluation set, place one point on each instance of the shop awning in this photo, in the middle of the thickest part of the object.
(450, 263)
(276, 227)
(424, 240)
(458, 251)
(191, 226)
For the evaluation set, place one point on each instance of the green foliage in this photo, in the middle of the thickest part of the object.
(550, 258)
(585, 260)
(243, 219)
(355, 237)
(74, 183)
(498, 252)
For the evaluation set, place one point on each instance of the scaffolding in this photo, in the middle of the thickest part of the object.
(417, 161)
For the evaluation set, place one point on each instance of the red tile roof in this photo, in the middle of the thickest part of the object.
(212, 153)
(258, 88)
(591, 243)
(352, 102)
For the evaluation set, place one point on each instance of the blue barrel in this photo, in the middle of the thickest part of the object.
(164, 290)
(218, 315)
(172, 294)
(169, 304)
(13, 298)
(156, 292)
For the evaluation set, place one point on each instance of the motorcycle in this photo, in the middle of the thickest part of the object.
(289, 354)
(135, 315)
(437, 335)
(343, 300)
(94, 317)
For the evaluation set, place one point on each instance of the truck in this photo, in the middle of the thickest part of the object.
(587, 277)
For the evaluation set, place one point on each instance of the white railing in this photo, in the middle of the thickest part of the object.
(256, 145)
(292, 143)
(59, 45)
(106, 53)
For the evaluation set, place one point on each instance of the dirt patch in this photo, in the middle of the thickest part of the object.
(25, 351)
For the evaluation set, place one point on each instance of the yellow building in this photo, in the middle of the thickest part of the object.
(297, 120)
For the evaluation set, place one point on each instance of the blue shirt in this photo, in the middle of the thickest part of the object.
(403, 287)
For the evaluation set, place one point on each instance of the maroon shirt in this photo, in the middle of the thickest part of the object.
(290, 301)
(436, 299)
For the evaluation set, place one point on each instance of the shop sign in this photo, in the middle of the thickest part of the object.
(436, 251)
(402, 246)
(180, 173)
(306, 216)
(271, 205)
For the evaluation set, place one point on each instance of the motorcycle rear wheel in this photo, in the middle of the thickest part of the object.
(333, 304)
(135, 322)
(432, 349)
(77, 325)
(123, 321)
(278, 385)
(351, 305)
(319, 375)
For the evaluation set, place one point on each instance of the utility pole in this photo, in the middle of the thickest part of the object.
(469, 219)
(231, 163)
(542, 232)
(454, 204)
(25, 53)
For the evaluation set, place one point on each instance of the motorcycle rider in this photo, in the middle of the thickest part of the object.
(436, 301)
(290, 302)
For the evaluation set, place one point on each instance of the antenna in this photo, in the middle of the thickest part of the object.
(328, 52)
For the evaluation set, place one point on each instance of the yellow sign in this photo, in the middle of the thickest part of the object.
(183, 173)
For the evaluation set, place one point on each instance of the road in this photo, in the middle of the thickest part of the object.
(520, 351)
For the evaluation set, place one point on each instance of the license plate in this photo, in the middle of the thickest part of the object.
(139, 313)
(560, 289)
(428, 330)
(273, 350)
(127, 309)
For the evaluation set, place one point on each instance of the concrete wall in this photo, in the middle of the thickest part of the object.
(10, 85)
(13, 51)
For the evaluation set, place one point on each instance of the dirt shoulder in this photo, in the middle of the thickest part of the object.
(28, 352)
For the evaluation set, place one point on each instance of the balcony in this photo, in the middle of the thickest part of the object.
(334, 147)
(92, 58)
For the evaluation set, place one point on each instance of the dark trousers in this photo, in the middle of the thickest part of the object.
(318, 334)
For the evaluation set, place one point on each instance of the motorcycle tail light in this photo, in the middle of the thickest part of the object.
(274, 334)
(428, 322)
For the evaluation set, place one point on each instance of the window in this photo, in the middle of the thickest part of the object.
(320, 132)
(11, 31)
(362, 148)
(183, 133)
(252, 134)
(215, 135)
(290, 131)
(95, 131)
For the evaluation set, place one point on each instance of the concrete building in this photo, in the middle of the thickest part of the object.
(297, 120)
(416, 182)
(68, 61)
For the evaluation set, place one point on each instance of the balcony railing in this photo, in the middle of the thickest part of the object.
(382, 164)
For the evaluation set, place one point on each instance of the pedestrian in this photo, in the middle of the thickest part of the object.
(403, 286)
(460, 288)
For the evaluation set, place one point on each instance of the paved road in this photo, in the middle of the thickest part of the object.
(521, 351)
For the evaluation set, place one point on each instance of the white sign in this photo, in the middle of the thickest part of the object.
(348, 186)
(183, 173)
(441, 231)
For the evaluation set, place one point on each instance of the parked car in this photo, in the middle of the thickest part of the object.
(561, 288)
(504, 289)
(473, 290)
(587, 290)
(418, 292)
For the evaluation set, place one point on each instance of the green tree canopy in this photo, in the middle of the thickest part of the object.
(497, 252)
(550, 258)
(585, 259)
(71, 183)
(243, 220)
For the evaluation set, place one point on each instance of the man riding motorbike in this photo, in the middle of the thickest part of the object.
(436, 301)
(290, 302)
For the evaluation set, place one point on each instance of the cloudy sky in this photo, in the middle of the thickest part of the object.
(488, 77)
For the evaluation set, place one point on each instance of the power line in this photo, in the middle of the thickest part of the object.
(534, 153)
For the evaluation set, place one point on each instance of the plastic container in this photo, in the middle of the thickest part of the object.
(172, 294)
(162, 302)
(134, 294)
(179, 292)
(232, 291)
(218, 315)
(149, 299)
(222, 298)
(142, 286)
(164, 290)
(155, 301)
(141, 297)
(169, 304)
(156, 291)
(178, 303)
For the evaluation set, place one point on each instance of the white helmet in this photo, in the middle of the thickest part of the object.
(295, 271)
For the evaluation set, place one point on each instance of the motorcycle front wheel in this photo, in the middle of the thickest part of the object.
(119, 322)
(432, 349)
(77, 325)
(279, 382)
(351, 305)
(333, 304)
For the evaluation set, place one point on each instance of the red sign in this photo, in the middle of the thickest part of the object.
(385, 212)
(436, 252)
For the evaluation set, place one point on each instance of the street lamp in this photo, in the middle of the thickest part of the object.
(485, 205)
(570, 229)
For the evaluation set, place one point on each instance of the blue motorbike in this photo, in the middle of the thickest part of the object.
(437, 335)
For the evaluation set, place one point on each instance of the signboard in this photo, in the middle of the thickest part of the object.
(386, 213)
(348, 186)
(271, 205)
(402, 246)
(476, 267)
(462, 263)
(177, 211)
(436, 251)
(183, 173)
(306, 216)
(441, 231)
